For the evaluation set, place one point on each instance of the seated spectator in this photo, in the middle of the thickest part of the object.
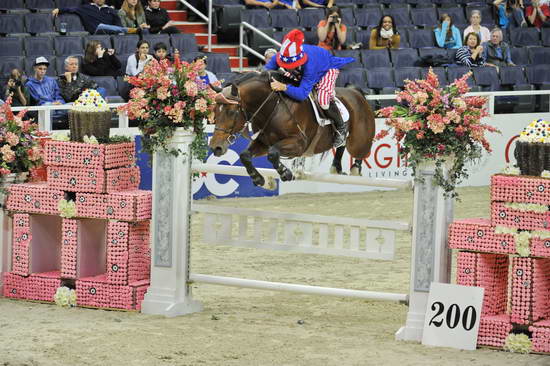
(289, 4)
(476, 27)
(446, 34)
(43, 89)
(331, 31)
(100, 62)
(132, 15)
(385, 35)
(471, 54)
(270, 4)
(97, 18)
(497, 52)
(72, 83)
(161, 52)
(158, 19)
(15, 88)
(206, 76)
(138, 60)
(268, 54)
(317, 3)
(117, 4)
(538, 13)
(509, 11)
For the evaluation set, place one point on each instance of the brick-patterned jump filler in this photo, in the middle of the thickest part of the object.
(103, 250)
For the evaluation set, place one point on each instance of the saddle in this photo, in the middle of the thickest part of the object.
(320, 114)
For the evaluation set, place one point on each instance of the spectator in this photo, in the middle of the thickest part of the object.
(16, 89)
(97, 18)
(100, 62)
(268, 54)
(138, 60)
(446, 34)
(318, 3)
(476, 27)
(289, 4)
(331, 31)
(471, 54)
(206, 76)
(161, 52)
(43, 89)
(509, 11)
(538, 13)
(117, 4)
(385, 35)
(132, 15)
(72, 83)
(158, 19)
(270, 4)
(496, 52)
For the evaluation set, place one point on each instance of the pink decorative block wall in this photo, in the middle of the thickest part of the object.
(128, 256)
(525, 220)
(77, 154)
(69, 248)
(93, 180)
(133, 205)
(96, 292)
(540, 247)
(478, 235)
(139, 289)
(42, 286)
(493, 330)
(21, 240)
(34, 198)
(15, 286)
(530, 286)
(513, 188)
(540, 336)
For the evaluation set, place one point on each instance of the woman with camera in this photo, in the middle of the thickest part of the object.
(100, 62)
(331, 31)
(385, 35)
(16, 89)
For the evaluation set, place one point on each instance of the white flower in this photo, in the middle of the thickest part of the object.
(505, 230)
(65, 297)
(545, 174)
(527, 207)
(518, 343)
(522, 243)
(90, 140)
(67, 209)
(510, 170)
(58, 136)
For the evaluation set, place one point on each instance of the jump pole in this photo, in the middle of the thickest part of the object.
(170, 290)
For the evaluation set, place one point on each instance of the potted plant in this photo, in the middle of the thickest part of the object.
(167, 96)
(439, 125)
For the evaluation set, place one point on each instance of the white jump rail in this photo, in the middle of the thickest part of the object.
(170, 291)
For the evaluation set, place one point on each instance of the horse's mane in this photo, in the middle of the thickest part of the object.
(264, 76)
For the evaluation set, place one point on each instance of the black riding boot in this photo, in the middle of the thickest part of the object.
(334, 113)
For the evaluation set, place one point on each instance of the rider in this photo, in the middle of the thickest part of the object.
(318, 68)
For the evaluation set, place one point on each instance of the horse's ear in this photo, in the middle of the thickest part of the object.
(217, 89)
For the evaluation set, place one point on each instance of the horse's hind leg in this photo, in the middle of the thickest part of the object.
(356, 167)
(336, 167)
(255, 149)
(274, 156)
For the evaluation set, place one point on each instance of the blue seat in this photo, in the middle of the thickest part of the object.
(545, 35)
(109, 84)
(439, 71)
(39, 23)
(8, 63)
(123, 88)
(257, 17)
(153, 39)
(539, 55)
(405, 57)
(310, 17)
(68, 45)
(403, 37)
(424, 17)
(432, 52)
(400, 16)
(367, 17)
(310, 37)
(457, 72)
(68, 3)
(522, 37)
(405, 73)
(52, 68)
(184, 42)
(104, 39)
(456, 14)
(519, 56)
(380, 77)
(512, 75)
(40, 5)
(538, 74)
(74, 25)
(486, 77)
(350, 53)
(348, 17)
(11, 46)
(355, 77)
(375, 58)
(225, 2)
(125, 44)
(363, 36)
(419, 38)
(39, 46)
(11, 24)
(284, 18)
(123, 58)
(218, 62)
(13, 6)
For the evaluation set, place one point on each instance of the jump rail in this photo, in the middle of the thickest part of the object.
(170, 291)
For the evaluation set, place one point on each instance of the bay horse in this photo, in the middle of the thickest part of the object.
(285, 127)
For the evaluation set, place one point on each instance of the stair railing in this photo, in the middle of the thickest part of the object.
(244, 47)
(207, 19)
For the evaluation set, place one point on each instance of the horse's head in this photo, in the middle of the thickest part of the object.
(230, 120)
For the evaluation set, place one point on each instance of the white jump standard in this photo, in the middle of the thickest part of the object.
(170, 291)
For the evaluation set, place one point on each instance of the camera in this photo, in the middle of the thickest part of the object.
(334, 18)
(16, 82)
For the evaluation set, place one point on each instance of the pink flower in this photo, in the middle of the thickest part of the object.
(380, 135)
(191, 88)
(12, 138)
(4, 171)
(459, 130)
(7, 153)
(420, 98)
(201, 105)
(137, 93)
(34, 153)
(385, 112)
(420, 135)
(163, 93)
(441, 147)
(436, 123)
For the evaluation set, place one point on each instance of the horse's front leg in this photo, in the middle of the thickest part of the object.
(288, 147)
(255, 149)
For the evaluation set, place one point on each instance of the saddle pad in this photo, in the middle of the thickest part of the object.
(323, 121)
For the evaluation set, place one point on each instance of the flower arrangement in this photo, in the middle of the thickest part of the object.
(169, 95)
(435, 123)
(518, 343)
(20, 149)
(65, 297)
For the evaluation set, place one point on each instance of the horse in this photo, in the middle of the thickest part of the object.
(284, 127)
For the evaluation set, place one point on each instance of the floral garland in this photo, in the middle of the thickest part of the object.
(518, 343)
(434, 123)
(65, 297)
(169, 95)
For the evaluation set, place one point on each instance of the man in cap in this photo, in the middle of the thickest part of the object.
(317, 68)
(43, 89)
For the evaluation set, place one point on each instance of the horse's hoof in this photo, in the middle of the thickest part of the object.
(270, 184)
(335, 170)
(258, 181)
(287, 176)
(355, 171)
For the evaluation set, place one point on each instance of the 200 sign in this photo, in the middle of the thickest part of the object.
(453, 317)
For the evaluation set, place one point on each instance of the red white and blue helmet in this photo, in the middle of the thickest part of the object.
(292, 53)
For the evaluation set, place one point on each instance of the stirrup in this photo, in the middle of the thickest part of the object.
(339, 140)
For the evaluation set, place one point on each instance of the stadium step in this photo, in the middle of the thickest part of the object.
(178, 15)
(202, 38)
(192, 27)
(169, 4)
(234, 62)
(230, 49)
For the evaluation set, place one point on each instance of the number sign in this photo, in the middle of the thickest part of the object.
(452, 316)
